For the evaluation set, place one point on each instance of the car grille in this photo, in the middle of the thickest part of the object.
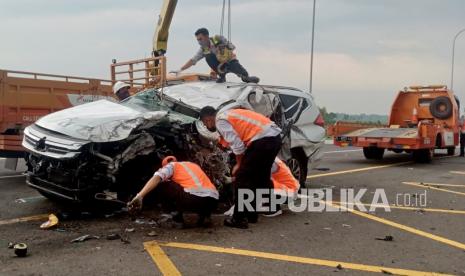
(51, 144)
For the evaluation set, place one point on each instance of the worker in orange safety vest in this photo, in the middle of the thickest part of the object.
(185, 185)
(255, 140)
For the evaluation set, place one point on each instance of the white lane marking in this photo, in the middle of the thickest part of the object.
(341, 151)
(12, 176)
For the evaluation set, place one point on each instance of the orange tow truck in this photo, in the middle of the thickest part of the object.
(422, 119)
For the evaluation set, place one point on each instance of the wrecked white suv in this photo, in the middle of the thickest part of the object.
(105, 146)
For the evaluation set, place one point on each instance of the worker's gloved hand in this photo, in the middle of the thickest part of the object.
(135, 204)
(213, 75)
(235, 169)
(176, 72)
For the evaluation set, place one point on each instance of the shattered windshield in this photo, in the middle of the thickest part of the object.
(148, 101)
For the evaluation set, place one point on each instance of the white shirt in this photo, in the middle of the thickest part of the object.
(226, 130)
(166, 172)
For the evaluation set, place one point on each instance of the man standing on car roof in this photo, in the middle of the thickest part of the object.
(256, 141)
(185, 185)
(218, 53)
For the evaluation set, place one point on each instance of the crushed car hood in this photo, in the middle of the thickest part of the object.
(100, 121)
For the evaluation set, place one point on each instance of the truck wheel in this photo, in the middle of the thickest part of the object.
(441, 108)
(451, 151)
(373, 153)
(423, 155)
(298, 165)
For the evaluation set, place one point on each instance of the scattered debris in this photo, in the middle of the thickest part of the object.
(143, 221)
(386, 238)
(306, 223)
(339, 266)
(129, 230)
(346, 225)
(52, 221)
(327, 228)
(387, 272)
(152, 234)
(218, 265)
(112, 237)
(60, 230)
(85, 238)
(20, 249)
(322, 169)
(125, 240)
(11, 245)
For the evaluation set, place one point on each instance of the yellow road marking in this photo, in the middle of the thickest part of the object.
(358, 170)
(161, 259)
(392, 206)
(433, 188)
(296, 259)
(440, 184)
(403, 227)
(23, 219)
(457, 172)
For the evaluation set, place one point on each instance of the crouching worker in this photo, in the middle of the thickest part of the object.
(183, 185)
(285, 186)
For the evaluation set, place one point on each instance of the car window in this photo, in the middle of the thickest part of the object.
(148, 100)
(290, 104)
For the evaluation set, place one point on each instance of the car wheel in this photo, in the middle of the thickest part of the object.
(373, 153)
(298, 165)
(441, 108)
(423, 155)
(451, 151)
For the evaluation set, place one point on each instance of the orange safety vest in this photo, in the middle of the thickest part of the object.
(194, 181)
(283, 180)
(246, 123)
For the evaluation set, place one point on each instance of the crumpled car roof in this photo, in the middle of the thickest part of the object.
(200, 94)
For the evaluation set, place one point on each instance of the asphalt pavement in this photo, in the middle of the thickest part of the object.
(423, 232)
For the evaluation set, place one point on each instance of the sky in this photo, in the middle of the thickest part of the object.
(365, 50)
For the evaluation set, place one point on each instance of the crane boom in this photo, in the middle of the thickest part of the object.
(160, 37)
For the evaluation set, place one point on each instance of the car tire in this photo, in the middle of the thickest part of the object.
(451, 151)
(441, 108)
(373, 153)
(423, 155)
(298, 164)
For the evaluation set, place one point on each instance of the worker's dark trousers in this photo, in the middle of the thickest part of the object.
(173, 198)
(232, 66)
(255, 171)
(462, 144)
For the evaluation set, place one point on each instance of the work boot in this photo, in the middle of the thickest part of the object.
(204, 221)
(252, 79)
(221, 78)
(232, 222)
(252, 218)
(178, 220)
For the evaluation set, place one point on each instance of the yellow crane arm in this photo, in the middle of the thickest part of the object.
(160, 38)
